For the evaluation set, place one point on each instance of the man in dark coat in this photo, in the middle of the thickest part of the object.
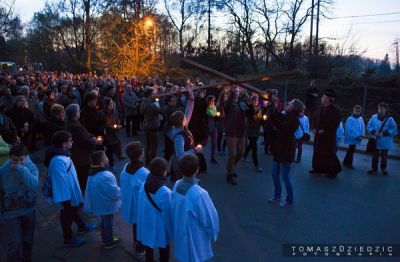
(312, 102)
(324, 156)
(84, 144)
(90, 116)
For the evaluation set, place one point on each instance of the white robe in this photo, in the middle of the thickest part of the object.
(102, 196)
(353, 129)
(154, 228)
(65, 184)
(196, 224)
(130, 185)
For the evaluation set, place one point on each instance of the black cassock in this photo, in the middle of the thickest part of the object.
(325, 159)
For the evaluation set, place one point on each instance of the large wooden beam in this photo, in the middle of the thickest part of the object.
(241, 81)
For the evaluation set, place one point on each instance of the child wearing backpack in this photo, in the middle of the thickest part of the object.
(132, 178)
(18, 183)
(154, 220)
(382, 128)
(103, 197)
(354, 132)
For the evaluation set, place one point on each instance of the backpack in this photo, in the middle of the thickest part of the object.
(47, 188)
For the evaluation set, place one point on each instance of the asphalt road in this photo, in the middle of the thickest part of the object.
(355, 208)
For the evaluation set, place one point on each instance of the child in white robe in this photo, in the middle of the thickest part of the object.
(132, 178)
(354, 132)
(103, 198)
(195, 219)
(154, 221)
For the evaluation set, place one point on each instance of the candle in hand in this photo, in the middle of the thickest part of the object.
(265, 117)
(99, 138)
(157, 99)
(115, 126)
(218, 114)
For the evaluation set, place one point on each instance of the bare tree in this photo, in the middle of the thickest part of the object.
(269, 25)
(242, 12)
(187, 9)
(297, 15)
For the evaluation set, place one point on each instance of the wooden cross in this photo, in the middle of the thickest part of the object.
(240, 81)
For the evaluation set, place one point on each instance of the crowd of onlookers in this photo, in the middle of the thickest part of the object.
(80, 119)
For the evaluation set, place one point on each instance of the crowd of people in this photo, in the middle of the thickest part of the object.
(80, 117)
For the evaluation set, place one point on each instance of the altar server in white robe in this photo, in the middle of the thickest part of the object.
(195, 219)
(354, 133)
(154, 221)
(65, 186)
(132, 178)
(103, 197)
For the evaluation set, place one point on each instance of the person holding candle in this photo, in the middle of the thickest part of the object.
(253, 130)
(283, 154)
(181, 137)
(110, 122)
(212, 125)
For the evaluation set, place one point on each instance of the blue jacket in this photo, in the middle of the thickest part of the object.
(354, 128)
(303, 120)
(102, 196)
(17, 189)
(388, 131)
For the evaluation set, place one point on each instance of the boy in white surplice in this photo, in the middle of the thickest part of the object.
(195, 219)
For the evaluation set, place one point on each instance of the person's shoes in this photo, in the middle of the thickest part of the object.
(140, 255)
(259, 169)
(331, 176)
(274, 200)
(74, 242)
(88, 228)
(313, 171)
(114, 243)
(231, 180)
(245, 159)
(214, 161)
(348, 166)
(286, 204)
(372, 172)
(385, 173)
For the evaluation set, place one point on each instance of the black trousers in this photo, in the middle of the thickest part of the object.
(348, 159)
(221, 145)
(132, 124)
(164, 254)
(252, 145)
(383, 154)
(138, 245)
(110, 150)
(168, 147)
(68, 215)
(83, 174)
(151, 146)
(299, 146)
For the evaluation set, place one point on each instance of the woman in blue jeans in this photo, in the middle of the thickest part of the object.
(286, 124)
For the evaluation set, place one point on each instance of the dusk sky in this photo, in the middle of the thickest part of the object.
(375, 33)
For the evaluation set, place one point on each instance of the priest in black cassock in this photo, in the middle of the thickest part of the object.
(324, 155)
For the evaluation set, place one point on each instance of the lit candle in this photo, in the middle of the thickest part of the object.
(115, 126)
(218, 114)
(157, 99)
(265, 117)
(99, 138)
(199, 146)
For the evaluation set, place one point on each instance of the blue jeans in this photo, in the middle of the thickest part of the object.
(20, 238)
(282, 170)
(107, 223)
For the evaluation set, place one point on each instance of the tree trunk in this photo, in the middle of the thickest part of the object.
(88, 44)
(252, 58)
(209, 27)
